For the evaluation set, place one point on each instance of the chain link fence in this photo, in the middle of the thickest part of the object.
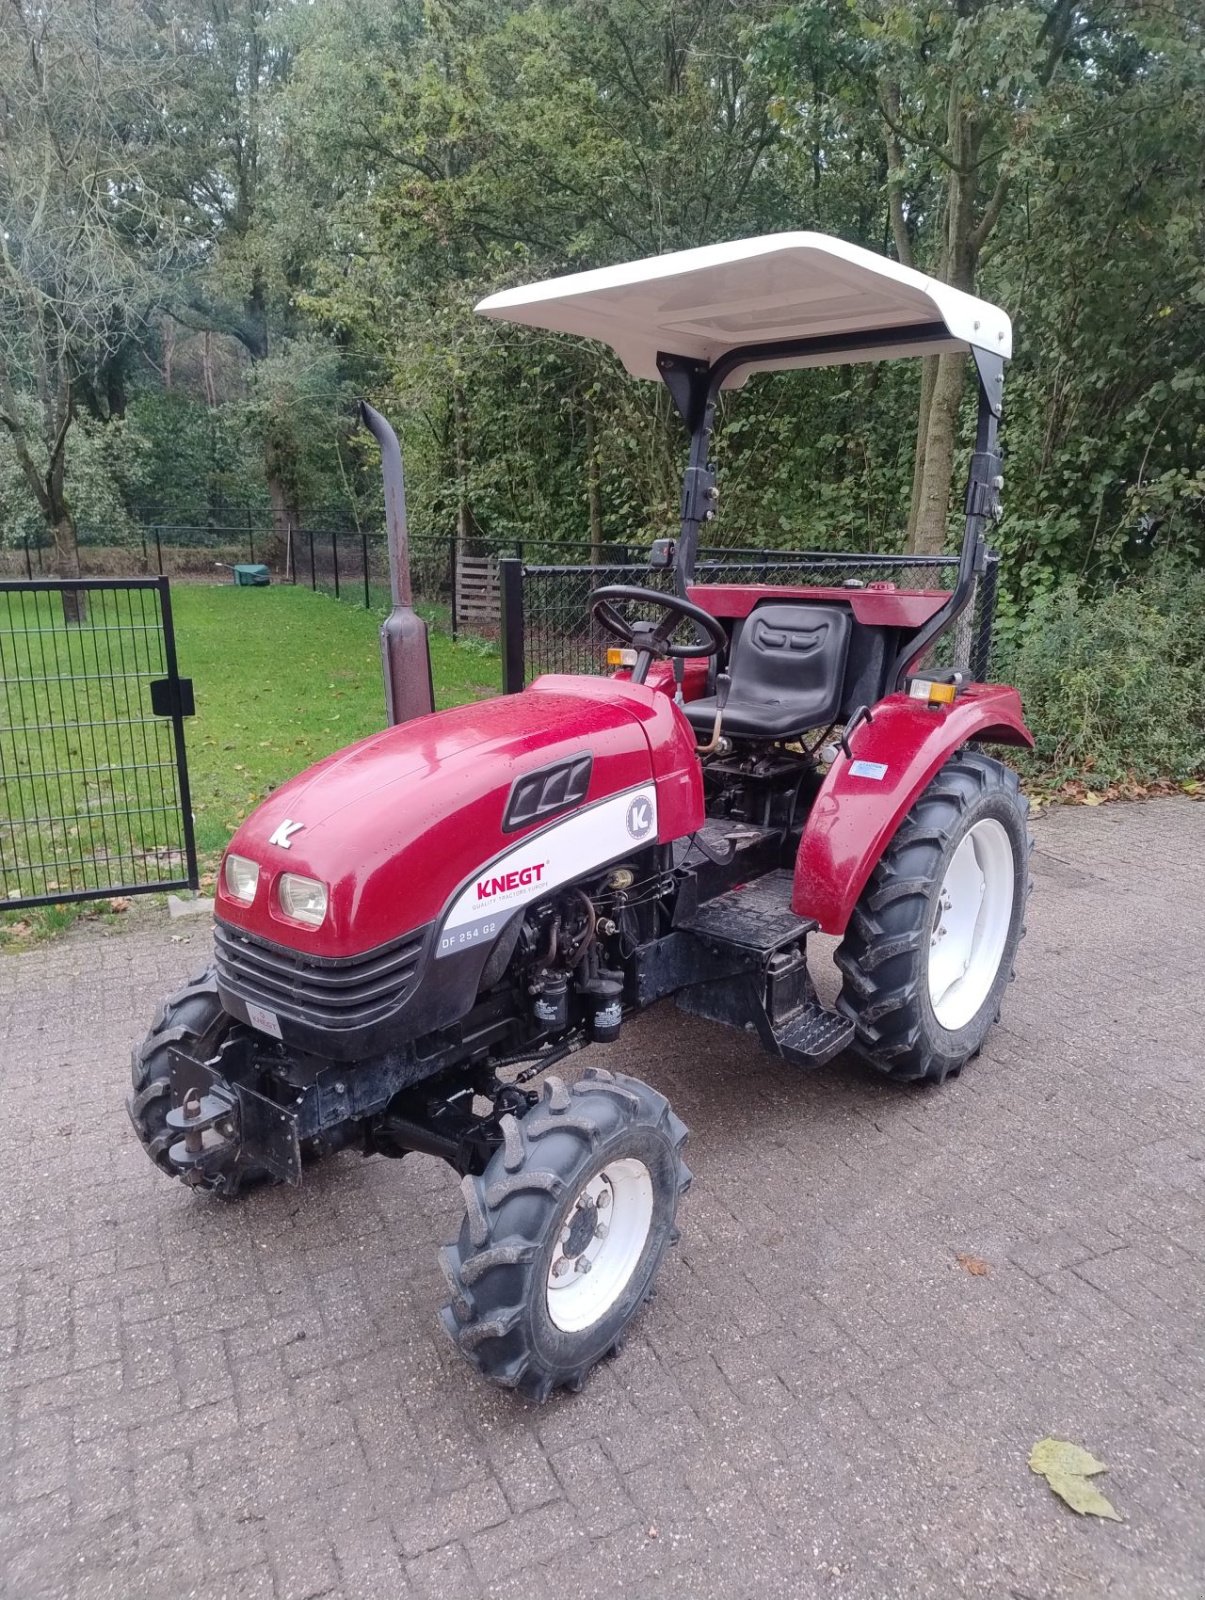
(547, 626)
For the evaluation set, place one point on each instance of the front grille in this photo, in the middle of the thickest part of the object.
(336, 995)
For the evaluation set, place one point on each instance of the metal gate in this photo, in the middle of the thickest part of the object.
(94, 795)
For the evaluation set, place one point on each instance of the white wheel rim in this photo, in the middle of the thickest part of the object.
(970, 924)
(602, 1239)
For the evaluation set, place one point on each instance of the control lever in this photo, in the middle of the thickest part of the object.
(723, 683)
(861, 715)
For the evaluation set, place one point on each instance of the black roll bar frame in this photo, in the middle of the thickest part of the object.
(694, 387)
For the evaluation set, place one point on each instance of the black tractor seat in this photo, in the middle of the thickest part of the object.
(788, 673)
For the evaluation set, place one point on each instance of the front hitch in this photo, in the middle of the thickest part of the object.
(228, 1130)
(211, 1143)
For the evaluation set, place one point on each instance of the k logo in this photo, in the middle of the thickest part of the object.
(640, 818)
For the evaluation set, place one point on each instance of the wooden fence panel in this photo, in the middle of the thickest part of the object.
(477, 594)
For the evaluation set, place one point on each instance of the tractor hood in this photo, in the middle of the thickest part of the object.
(394, 826)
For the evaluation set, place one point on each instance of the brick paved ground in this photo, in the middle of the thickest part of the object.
(256, 1400)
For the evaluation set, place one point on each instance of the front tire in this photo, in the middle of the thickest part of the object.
(930, 947)
(564, 1232)
(194, 1020)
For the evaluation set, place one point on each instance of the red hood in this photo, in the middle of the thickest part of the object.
(395, 824)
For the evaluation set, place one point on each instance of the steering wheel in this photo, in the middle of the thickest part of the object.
(652, 640)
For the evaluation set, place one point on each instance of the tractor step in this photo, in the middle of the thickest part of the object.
(813, 1036)
(754, 918)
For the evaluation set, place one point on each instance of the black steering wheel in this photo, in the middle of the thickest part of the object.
(652, 640)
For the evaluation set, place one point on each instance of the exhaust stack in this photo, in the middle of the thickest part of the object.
(405, 653)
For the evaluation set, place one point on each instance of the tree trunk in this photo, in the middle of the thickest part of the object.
(933, 501)
(286, 514)
(464, 511)
(66, 563)
(211, 393)
(593, 486)
(928, 381)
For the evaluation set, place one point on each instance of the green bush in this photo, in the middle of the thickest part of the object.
(1114, 683)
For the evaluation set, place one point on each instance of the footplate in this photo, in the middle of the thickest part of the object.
(814, 1036)
(755, 918)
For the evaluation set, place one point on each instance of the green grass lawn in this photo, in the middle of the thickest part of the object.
(282, 677)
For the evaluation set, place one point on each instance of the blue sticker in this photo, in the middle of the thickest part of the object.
(868, 769)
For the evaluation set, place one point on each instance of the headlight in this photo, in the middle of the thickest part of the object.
(242, 878)
(303, 899)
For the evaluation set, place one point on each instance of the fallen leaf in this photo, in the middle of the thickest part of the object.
(1067, 1468)
(119, 903)
(1081, 1494)
(1059, 1455)
(973, 1265)
(1092, 798)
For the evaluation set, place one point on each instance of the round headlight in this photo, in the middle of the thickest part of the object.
(242, 878)
(303, 899)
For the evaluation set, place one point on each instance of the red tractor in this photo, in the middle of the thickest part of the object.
(412, 930)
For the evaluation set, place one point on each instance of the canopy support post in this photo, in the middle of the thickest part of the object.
(984, 482)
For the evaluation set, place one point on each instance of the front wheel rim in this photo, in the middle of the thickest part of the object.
(602, 1238)
(971, 923)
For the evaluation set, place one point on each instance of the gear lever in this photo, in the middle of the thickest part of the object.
(723, 683)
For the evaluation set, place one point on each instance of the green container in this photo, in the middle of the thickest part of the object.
(249, 575)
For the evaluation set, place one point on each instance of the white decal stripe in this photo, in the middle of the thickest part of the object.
(563, 852)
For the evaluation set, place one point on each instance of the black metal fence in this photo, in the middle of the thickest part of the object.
(355, 565)
(547, 627)
(94, 795)
(346, 563)
(190, 550)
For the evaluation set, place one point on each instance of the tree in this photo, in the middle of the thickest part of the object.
(82, 232)
(319, 194)
(961, 89)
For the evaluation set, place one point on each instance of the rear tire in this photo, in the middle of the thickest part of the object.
(930, 947)
(185, 1019)
(542, 1287)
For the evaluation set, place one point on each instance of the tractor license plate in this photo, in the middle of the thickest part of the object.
(263, 1020)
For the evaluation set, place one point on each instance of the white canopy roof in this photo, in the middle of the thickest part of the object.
(703, 303)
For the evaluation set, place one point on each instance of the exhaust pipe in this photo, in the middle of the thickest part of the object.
(405, 652)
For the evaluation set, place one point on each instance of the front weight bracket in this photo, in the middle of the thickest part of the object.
(232, 1122)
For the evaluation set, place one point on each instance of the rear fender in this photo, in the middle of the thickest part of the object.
(866, 795)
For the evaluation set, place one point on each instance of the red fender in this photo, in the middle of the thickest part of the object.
(661, 676)
(857, 812)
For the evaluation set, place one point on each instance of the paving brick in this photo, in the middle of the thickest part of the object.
(595, 1490)
(370, 1563)
(240, 1401)
(445, 1518)
(443, 1574)
(523, 1470)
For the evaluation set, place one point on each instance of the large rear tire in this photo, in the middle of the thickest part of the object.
(564, 1233)
(930, 947)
